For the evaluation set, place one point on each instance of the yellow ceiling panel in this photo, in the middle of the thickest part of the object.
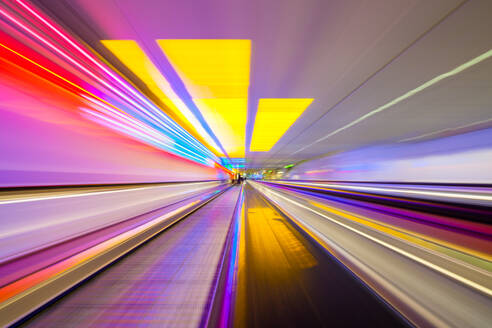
(216, 73)
(273, 119)
(211, 68)
(227, 118)
(135, 59)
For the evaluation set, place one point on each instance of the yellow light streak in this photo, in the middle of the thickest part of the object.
(137, 61)
(273, 118)
(425, 241)
(216, 73)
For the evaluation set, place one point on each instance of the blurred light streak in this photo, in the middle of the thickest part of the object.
(97, 63)
(464, 240)
(141, 131)
(318, 171)
(52, 271)
(101, 101)
(155, 115)
(235, 264)
(369, 276)
(273, 118)
(425, 241)
(409, 94)
(216, 73)
(446, 194)
(165, 144)
(46, 218)
(31, 198)
(444, 271)
(127, 119)
(135, 59)
(450, 130)
(456, 159)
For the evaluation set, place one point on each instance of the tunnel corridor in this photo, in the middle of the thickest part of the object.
(249, 163)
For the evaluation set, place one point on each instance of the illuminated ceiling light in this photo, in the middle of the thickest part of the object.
(216, 73)
(226, 118)
(134, 58)
(273, 119)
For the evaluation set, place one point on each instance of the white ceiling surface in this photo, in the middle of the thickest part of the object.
(350, 56)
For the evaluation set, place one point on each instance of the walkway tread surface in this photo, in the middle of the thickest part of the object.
(289, 281)
(164, 283)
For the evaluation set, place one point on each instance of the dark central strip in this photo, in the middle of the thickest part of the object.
(290, 281)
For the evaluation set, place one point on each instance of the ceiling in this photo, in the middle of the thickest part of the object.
(379, 71)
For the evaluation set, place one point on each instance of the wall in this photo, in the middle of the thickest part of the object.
(464, 158)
